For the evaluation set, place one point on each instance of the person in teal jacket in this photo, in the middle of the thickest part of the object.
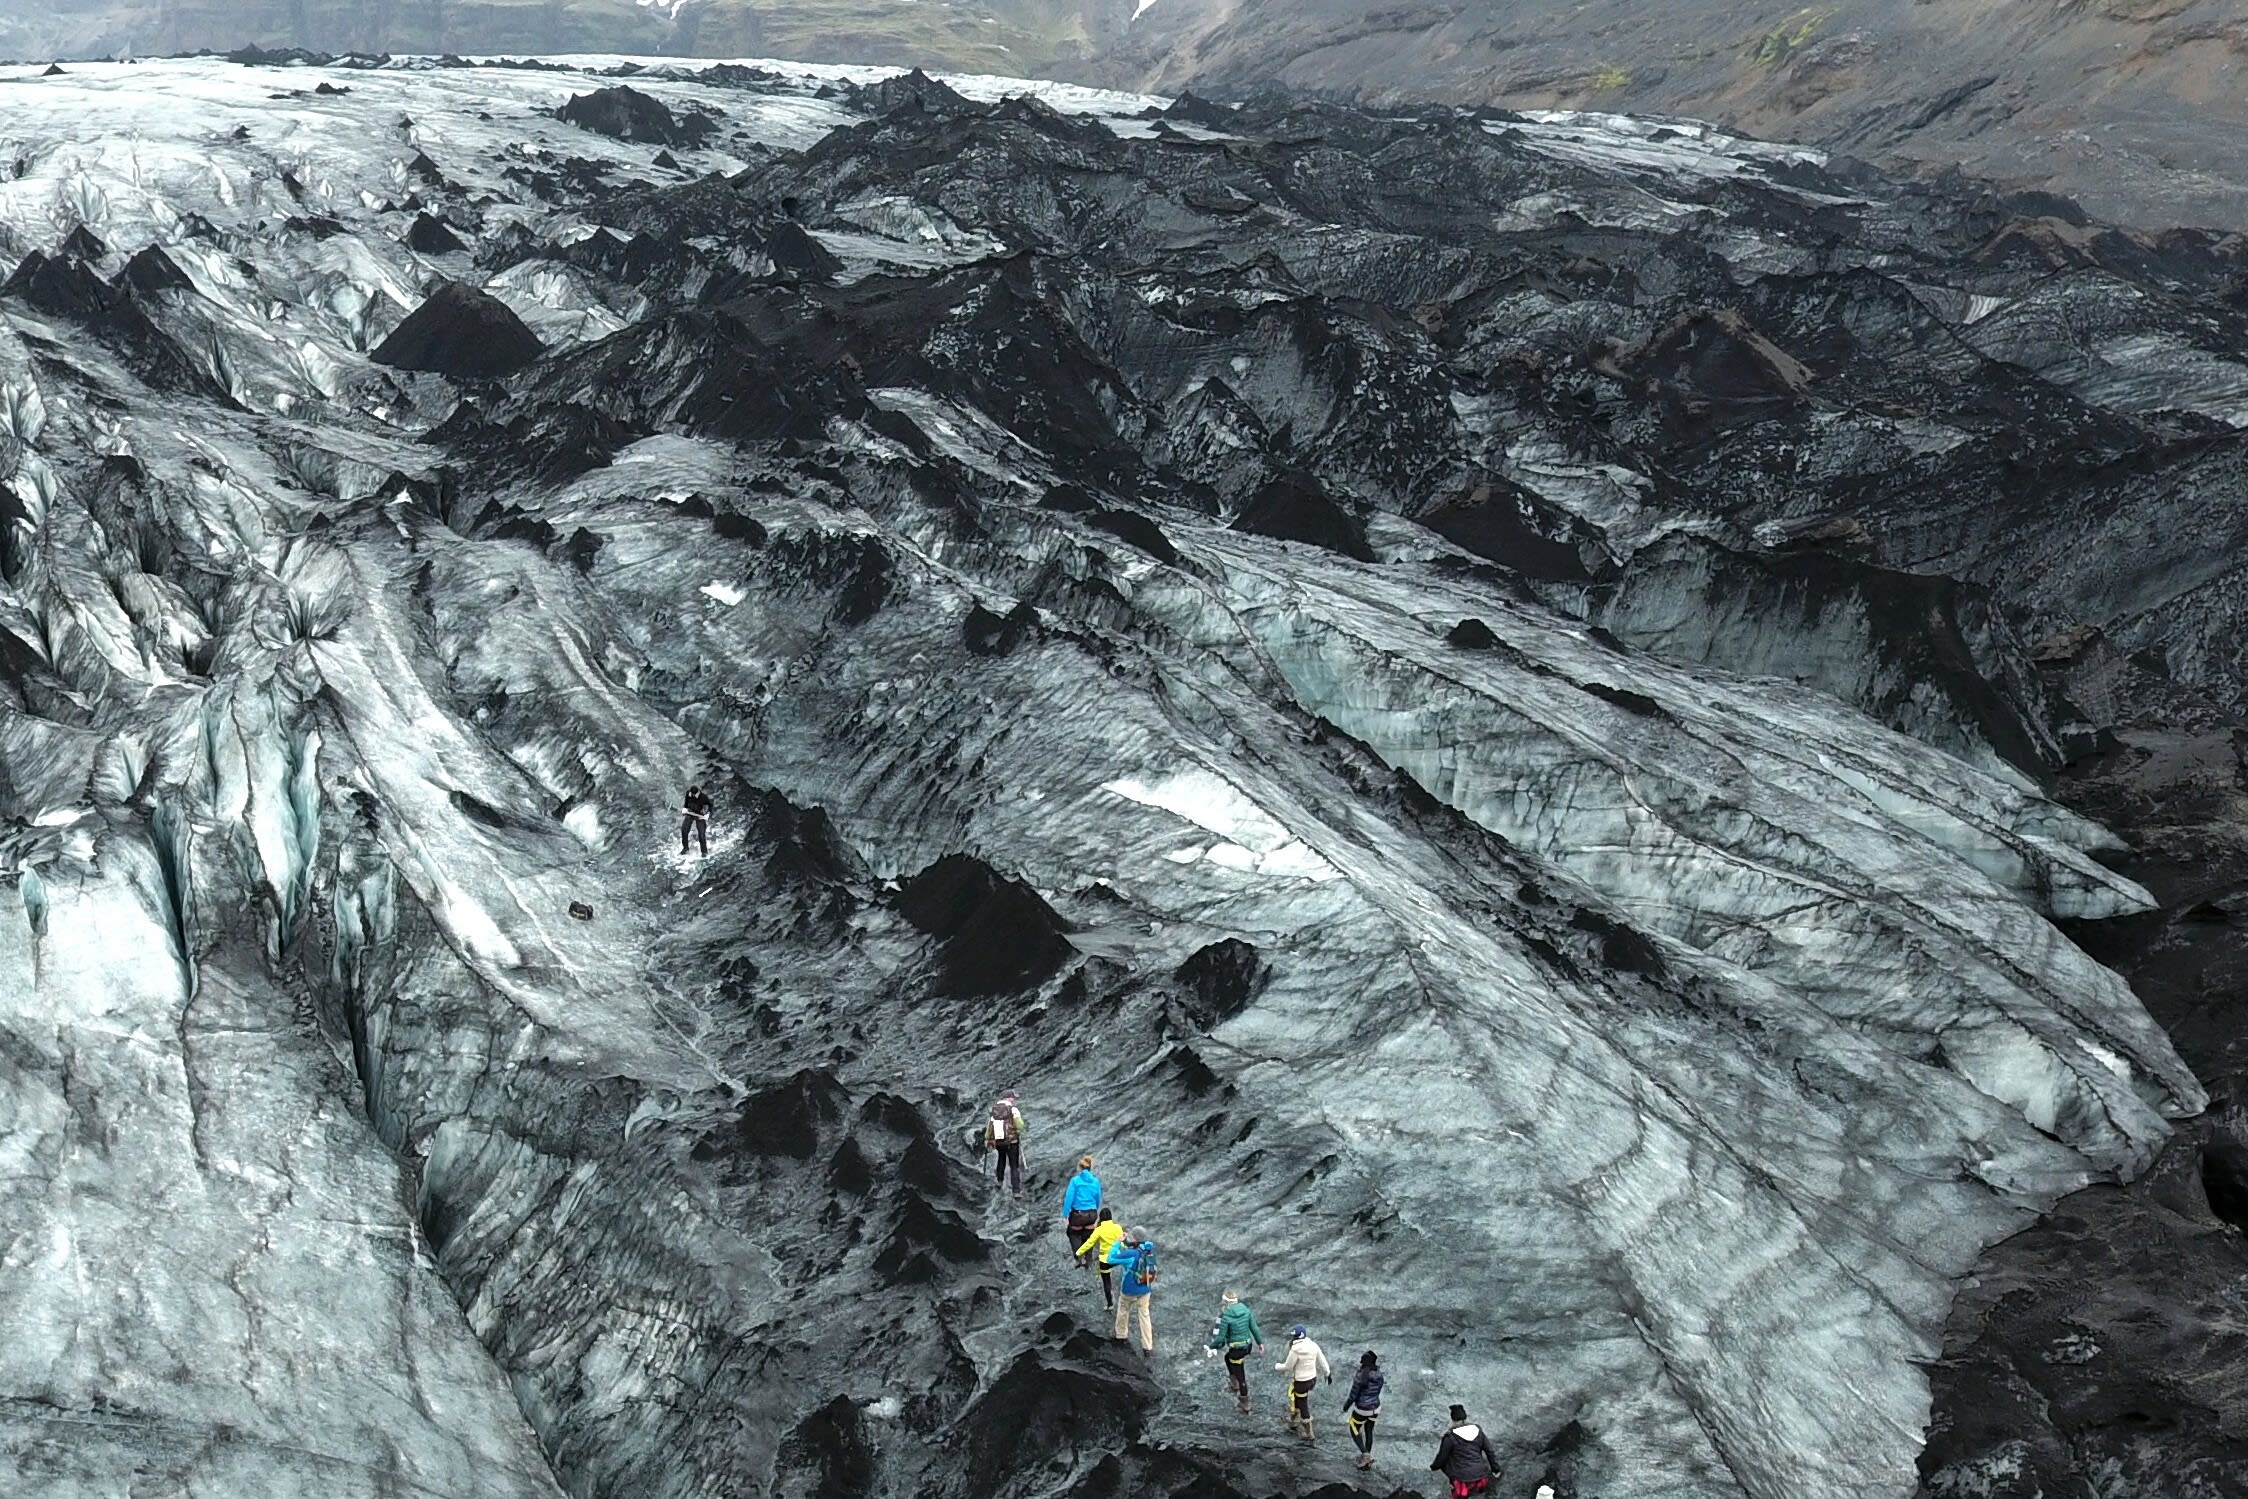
(1237, 1335)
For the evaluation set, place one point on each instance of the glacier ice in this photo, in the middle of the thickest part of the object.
(1638, 1044)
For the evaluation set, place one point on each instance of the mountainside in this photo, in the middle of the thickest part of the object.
(1501, 714)
(1017, 37)
(2133, 106)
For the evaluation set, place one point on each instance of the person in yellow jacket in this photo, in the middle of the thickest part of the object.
(1106, 1232)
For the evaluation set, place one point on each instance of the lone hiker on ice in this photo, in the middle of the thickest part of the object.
(1106, 1235)
(1363, 1406)
(697, 820)
(1081, 1208)
(1136, 1258)
(1303, 1363)
(1003, 1132)
(1466, 1457)
(1237, 1335)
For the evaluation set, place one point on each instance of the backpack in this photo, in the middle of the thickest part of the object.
(1143, 1266)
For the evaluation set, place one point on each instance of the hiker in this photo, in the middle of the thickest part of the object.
(1466, 1456)
(1237, 1335)
(1003, 1132)
(697, 820)
(1135, 1256)
(1081, 1207)
(1303, 1363)
(1363, 1406)
(1106, 1235)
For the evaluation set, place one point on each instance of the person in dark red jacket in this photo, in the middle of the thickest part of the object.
(1466, 1456)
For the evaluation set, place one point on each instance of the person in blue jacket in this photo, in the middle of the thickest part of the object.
(1363, 1406)
(1135, 1255)
(1081, 1208)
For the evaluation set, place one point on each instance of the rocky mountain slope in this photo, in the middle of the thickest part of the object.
(2132, 106)
(1484, 707)
(1049, 38)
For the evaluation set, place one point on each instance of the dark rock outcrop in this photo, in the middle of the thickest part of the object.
(913, 92)
(1296, 507)
(463, 333)
(1217, 982)
(151, 271)
(997, 936)
(627, 114)
(431, 235)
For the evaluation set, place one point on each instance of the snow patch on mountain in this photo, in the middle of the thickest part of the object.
(1249, 839)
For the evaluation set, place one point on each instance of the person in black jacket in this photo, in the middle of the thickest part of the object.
(1466, 1456)
(697, 821)
(1363, 1406)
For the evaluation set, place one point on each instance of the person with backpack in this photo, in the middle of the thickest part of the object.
(1003, 1132)
(697, 819)
(1466, 1457)
(1303, 1363)
(1135, 1256)
(1237, 1335)
(1106, 1235)
(1081, 1207)
(1363, 1406)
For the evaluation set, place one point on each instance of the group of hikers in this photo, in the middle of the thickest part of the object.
(1099, 1242)
(1125, 1259)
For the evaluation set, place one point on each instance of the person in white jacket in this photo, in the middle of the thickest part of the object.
(1304, 1364)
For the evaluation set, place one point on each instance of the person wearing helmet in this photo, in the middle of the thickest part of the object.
(1363, 1406)
(1303, 1363)
(1466, 1457)
(1236, 1335)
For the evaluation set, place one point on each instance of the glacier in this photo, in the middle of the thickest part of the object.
(1281, 633)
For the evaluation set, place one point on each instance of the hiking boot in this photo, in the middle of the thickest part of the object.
(1242, 1405)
